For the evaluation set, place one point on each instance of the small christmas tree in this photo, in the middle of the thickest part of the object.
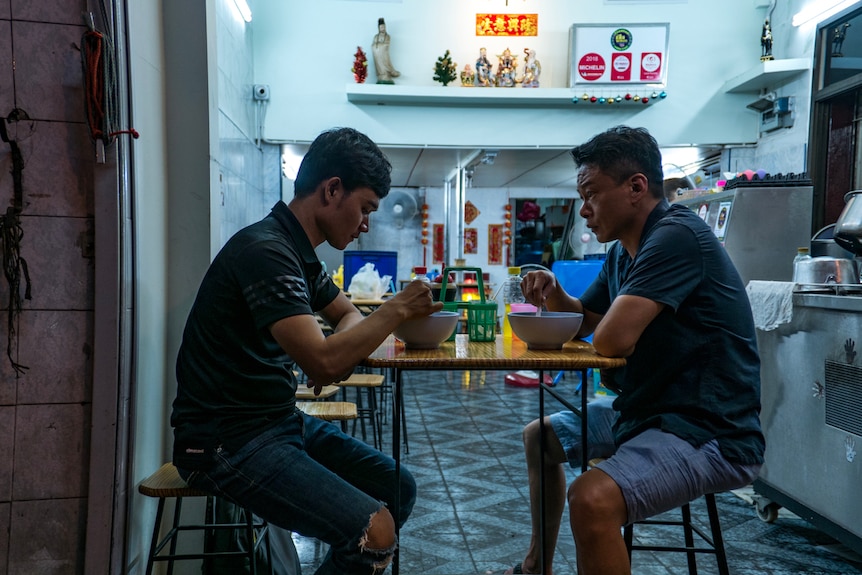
(445, 69)
(360, 66)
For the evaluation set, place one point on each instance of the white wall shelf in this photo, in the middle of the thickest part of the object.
(767, 75)
(456, 95)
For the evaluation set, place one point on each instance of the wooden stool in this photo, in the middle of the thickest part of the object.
(307, 393)
(165, 483)
(714, 539)
(369, 382)
(332, 411)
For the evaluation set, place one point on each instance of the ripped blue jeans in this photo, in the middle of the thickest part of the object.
(307, 476)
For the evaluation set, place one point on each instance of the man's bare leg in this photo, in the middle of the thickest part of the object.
(597, 512)
(555, 494)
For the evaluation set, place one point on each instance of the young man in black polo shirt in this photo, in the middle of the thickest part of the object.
(669, 300)
(237, 430)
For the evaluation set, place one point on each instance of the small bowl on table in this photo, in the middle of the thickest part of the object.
(427, 332)
(550, 330)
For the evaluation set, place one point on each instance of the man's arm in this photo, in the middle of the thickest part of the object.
(620, 329)
(327, 359)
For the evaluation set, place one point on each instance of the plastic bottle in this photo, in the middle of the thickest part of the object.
(338, 277)
(511, 294)
(802, 254)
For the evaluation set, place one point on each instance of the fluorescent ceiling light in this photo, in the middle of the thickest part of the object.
(819, 10)
(244, 9)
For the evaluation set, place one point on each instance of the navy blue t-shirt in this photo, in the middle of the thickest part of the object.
(695, 371)
(234, 380)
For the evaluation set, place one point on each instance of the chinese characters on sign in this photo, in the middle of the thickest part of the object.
(471, 240)
(495, 244)
(507, 24)
(438, 247)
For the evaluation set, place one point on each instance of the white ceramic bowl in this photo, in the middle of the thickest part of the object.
(427, 332)
(547, 331)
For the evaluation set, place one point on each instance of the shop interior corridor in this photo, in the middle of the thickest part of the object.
(472, 514)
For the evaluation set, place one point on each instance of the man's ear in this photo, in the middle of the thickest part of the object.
(330, 188)
(640, 185)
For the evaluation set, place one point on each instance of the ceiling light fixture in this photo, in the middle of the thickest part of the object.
(818, 10)
(244, 9)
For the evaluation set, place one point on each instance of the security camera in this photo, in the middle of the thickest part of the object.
(261, 91)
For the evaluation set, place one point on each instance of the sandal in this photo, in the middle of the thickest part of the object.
(517, 569)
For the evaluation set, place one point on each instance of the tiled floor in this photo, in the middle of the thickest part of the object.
(472, 516)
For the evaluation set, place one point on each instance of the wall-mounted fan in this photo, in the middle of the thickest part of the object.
(401, 207)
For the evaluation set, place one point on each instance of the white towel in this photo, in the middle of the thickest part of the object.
(771, 303)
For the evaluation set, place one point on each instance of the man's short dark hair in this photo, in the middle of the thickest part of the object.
(621, 152)
(347, 154)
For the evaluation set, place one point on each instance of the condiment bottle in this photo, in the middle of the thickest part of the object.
(802, 254)
(511, 294)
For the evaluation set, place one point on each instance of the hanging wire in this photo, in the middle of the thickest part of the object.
(11, 234)
(100, 82)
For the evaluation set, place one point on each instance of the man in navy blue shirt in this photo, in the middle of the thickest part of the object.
(669, 300)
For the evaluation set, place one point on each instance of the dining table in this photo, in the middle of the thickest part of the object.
(462, 354)
(368, 305)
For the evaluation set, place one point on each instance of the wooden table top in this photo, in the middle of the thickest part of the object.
(499, 354)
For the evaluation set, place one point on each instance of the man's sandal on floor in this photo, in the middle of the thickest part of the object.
(517, 569)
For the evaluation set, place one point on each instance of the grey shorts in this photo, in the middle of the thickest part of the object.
(656, 470)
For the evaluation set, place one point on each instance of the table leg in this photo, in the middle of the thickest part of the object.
(396, 455)
(584, 442)
(542, 469)
(582, 413)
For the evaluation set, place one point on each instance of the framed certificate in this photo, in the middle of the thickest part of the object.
(615, 54)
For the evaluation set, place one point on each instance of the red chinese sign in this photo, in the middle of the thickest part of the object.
(495, 244)
(438, 247)
(471, 240)
(507, 24)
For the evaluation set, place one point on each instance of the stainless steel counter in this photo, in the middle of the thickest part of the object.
(812, 415)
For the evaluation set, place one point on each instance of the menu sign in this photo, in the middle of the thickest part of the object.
(618, 54)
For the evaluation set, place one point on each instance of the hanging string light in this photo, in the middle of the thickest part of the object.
(424, 234)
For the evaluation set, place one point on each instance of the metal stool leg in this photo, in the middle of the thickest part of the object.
(160, 511)
(717, 537)
(376, 432)
(360, 407)
(689, 539)
(403, 424)
(250, 538)
(175, 533)
(628, 536)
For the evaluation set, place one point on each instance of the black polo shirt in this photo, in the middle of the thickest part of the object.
(234, 380)
(695, 371)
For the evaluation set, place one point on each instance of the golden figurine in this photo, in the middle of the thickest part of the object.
(506, 69)
(468, 76)
(484, 69)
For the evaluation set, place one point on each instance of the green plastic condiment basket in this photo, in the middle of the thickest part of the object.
(481, 315)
